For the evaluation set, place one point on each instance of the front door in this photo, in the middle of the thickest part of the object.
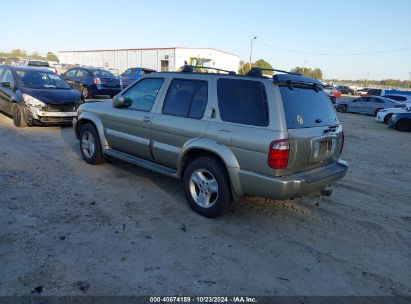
(128, 129)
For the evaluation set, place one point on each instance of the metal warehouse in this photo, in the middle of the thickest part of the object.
(160, 59)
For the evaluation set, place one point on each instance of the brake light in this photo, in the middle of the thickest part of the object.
(97, 80)
(278, 154)
(342, 141)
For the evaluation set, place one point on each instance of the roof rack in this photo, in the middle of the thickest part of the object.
(259, 72)
(191, 69)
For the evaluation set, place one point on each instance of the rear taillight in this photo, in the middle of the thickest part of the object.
(342, 142)
(278, 154)
(97, 80)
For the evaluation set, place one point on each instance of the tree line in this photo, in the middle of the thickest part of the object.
(18, 53)
(318, 74)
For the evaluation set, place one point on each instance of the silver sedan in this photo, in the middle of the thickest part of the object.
(369, 105)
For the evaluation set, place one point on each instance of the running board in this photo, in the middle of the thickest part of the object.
(141, 162)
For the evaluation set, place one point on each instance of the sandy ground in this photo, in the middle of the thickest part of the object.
(116, 229)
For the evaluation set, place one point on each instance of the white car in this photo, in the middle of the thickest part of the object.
(401, 98)
(384, 115)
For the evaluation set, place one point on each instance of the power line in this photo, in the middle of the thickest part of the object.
(330, 54)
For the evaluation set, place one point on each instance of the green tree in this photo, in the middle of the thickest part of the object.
(51, 57)
(261, 63)
(37, 56)
(18, 53)
(244, 67)
(316, 73)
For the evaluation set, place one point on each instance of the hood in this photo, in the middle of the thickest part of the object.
(54, 96)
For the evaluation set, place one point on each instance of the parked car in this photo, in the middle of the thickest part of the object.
(345, 90)
(330, 90)
(401, 121)
(36, 96)
(401, 98)
(132, 74)
(39, 63)
(93, 81)
(223, 136)
(113, 71)
(384, 115)
(362, 92)
(371, 92)
(369, 105)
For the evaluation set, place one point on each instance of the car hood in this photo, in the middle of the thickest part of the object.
(51, 96)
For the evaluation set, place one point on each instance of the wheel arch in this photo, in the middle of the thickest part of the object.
(87, 117)
(205, 147)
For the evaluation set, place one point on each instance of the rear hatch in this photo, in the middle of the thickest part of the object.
(315, 133)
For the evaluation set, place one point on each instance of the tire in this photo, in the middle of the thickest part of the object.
(376, 112)
(206, 187)
(403, 125)
(90, 146)
(85, 93)
(18, 116)
(387, 118)
(342, 108)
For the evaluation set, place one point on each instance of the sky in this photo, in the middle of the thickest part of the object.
(289, 33)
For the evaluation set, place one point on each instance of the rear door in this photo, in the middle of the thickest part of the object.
(179, 118)
(7, 93)
(69, 76)
(314, 131)
(128, 129)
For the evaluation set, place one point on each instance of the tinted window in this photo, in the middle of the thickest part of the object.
(242, 101)
(38, 63)
(8, 77)
(70, 73)
(304, 107)
(102, 73)
(40, 80)
(397, 98)
(142, 95)
(186, 98)
(81, 73)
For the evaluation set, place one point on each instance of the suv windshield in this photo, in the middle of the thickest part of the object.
(305, 107)
(41, 80)
(38, 63)
(102, 73)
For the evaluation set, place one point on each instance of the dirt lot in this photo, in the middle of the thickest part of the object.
(116, 229)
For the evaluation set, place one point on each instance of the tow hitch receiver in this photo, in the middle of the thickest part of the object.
(327, 191)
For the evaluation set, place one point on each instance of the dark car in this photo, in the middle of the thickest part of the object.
(36, 96)
(93, 81)
(133, 74)
(401, 121)
(345, 90)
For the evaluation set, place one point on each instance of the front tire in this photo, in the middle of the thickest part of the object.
(387, 118)
(18, 116)
(342, 108)
(90, 146)
(206, 187)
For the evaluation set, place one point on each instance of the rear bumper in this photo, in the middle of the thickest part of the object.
(105, 91)
(292, 186)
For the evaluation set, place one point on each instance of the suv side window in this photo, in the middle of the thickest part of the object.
(242, 101)
(186, 98)
(142, 95)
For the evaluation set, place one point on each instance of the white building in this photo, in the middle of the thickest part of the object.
(160, 59)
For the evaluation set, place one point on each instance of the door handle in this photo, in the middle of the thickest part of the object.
(146, 118)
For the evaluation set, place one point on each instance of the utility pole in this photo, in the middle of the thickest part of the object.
(251, 49)
(305, 61)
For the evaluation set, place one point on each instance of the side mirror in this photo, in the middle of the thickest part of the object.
(6, 84)
(120, 102)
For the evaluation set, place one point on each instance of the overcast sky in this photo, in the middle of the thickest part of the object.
(289, 33)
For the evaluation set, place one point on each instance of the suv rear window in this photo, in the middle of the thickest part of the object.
(38, 63)
(305, 107)
(242, 101)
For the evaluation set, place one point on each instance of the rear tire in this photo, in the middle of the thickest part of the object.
(90, 146)
(85, 93)
(206, 187)
(342, 108)
(403, 125)
(18, 116)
